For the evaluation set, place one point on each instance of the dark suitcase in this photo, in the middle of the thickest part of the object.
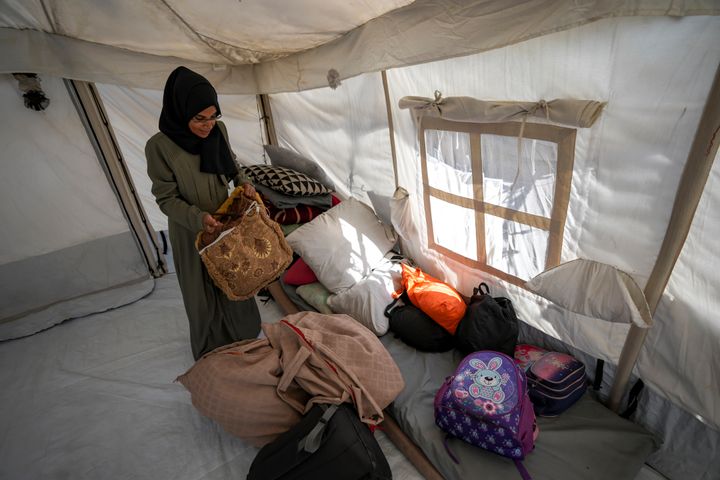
(330, 442)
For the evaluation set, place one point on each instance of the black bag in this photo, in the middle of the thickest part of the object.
(416, 328)
(329, 442)
(489, 324)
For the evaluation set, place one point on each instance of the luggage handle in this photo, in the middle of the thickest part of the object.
(312, 441)
(479, 289)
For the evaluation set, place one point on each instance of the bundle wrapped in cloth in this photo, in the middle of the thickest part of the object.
(249, 253)
(258, 389)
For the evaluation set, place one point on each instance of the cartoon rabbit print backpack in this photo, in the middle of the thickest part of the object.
(485, 403)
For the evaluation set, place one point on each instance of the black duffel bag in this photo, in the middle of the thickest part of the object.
(490, 323)
(330, 442)
(415, 328)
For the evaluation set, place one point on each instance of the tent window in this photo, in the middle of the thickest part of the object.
(496, 194)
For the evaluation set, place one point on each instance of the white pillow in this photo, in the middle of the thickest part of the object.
(367, 299)
(343, 244)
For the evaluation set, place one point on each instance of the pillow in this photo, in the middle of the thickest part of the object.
(299, 274)
(366, 300)
(316, 295)
(280, 200)
(288, 229)
(285, 180)
(283, 157)
(289, 216)
(343, 244)
(291, 292)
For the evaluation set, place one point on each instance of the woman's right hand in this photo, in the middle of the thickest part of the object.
(210, 224)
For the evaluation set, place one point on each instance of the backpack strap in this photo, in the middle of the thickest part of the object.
(447, 449)
(523, 471)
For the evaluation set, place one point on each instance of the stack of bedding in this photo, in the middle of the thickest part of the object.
(346, 264)
(344, 261)
(294, 190)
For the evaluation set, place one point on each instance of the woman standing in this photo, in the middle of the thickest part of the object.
(190, 162)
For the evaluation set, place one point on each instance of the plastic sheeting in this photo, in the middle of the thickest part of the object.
(95, 398)
(654, 75)
(134, 115)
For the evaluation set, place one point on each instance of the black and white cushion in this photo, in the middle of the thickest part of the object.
(285, 180)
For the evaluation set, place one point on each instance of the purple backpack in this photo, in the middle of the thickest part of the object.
(486, 404)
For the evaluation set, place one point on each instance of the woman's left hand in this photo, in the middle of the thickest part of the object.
(248, 190)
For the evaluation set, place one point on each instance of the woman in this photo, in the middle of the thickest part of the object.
(189, 162)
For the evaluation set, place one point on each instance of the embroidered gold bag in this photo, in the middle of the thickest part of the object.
(249, 253)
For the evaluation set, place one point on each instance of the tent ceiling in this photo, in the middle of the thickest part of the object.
(271, 46)
(220, 31)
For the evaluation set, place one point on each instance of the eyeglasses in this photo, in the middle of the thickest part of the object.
(201, 119)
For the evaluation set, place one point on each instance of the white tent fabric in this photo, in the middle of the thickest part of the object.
(345, 131)
(686, 334)
(615, 297)
(211, 41)
(66, 242)
(68, 246)
(653, 108)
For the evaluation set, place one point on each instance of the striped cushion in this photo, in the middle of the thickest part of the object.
(289, 216)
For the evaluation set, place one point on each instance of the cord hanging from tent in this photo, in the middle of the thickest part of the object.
(35, 98)
(540, 105)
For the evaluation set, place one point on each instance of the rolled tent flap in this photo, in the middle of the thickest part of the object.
(594, 289)
(570, 112)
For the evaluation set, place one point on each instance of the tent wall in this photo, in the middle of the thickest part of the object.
(687, 328)
(344, 130)
(69, 250)
(655, 74)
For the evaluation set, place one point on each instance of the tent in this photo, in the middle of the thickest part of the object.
(470, 107)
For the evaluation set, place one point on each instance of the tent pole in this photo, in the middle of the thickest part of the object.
(692, 183)
(266, 115)
(391, 128)
(93, 116)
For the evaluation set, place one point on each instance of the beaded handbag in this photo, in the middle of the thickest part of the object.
(249, 253)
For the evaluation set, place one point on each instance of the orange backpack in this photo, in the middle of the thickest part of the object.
(438, 300)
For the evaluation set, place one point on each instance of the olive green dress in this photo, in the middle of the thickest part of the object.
(185, 194)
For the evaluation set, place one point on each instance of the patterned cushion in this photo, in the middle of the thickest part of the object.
(285, 180)
(289, 216)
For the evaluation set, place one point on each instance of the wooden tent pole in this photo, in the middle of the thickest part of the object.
(692, 184)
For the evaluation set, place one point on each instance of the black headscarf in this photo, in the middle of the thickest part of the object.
(187, 94)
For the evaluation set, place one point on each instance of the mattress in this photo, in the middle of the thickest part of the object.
(588, 441)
